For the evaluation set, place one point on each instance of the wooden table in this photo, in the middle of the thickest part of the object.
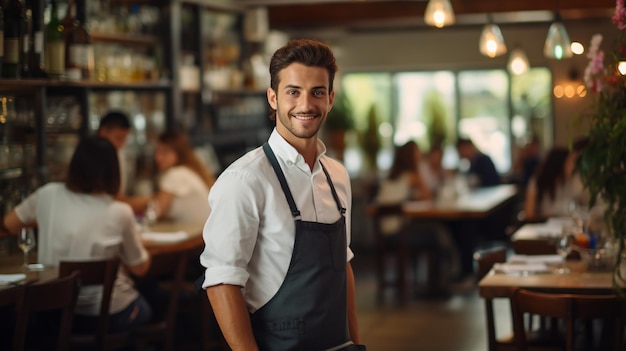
(10, 264)
(477, 203)
(578, 281)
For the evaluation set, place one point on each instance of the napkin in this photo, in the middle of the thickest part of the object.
(165, 237)
(547, 259)
(523, 269)
(11, 278)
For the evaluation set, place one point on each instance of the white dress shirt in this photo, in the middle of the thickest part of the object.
(250, 233)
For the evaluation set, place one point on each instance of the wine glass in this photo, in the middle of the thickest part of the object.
(564, 248)
(26, 242)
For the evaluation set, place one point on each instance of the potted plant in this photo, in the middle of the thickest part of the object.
(603, 161)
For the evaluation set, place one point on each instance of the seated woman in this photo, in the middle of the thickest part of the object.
(405, 182)
(184, 182)
(553, 186)
(80, 220)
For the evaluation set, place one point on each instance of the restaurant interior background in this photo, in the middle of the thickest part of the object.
(203, 68)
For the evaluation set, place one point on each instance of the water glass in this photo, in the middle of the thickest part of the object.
(564, 248)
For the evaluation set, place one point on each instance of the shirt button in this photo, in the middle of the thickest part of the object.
(290, 163)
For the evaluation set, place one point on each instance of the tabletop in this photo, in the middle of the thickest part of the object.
(188, 236)
(476, 203)
(578, 280)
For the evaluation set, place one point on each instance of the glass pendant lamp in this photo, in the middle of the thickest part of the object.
(439, 13)
(491, 40)
(518, 62)
(557, 45)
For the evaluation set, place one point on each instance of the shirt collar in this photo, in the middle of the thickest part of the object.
(284, 150)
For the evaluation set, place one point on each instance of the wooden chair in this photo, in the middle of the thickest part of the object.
(485, 259)
(397, 245)
(56, 295)
(97, 272)
(569, 308)
(11, 303)
(168, 268)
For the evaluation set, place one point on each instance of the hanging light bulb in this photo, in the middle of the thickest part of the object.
(491, 42)
(518, 62)
(558, 45)
(439, 13)
(621, 67)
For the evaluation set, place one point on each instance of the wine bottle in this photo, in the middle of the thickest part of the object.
(54, 53)
(1, 38)
(35, 62)
(26, 39)
(13, 17)
(80, 60)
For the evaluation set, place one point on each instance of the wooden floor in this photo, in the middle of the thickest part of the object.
(451, 323)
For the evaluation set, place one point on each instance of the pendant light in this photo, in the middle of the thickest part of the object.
(518, 62)
(557, 45)
(491, 42)
(439, 13)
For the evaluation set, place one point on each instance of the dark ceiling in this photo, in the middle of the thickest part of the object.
(307, 14)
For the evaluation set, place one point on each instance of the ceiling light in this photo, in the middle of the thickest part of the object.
(439, 13)
(557, 45)
(518, 62)
(621, 67)
(491, 40)
(577, 48)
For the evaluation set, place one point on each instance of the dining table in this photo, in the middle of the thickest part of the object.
(568, 276)
(162, 236)
(472, 204)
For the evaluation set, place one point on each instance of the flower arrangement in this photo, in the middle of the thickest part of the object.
(603, 161)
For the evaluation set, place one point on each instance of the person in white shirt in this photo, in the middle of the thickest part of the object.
(80, 220)
(184, 182)
(277, 251)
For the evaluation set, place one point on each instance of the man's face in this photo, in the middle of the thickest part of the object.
(117, 136)
(302, 101)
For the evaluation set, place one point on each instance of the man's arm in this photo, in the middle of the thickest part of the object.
(353, 324)
(232, 316)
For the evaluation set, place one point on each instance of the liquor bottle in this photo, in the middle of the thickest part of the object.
(1, 38)
(26, 39)
(13, 17)
(54, 59)
(79, 63)
(35, 56)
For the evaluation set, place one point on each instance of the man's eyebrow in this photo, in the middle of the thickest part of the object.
(292, 86)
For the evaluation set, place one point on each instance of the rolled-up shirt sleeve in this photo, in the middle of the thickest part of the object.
(26, 211)
(231, 231)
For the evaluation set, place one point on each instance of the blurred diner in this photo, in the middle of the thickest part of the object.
(482, 171)
(80, 220)
(183, 185)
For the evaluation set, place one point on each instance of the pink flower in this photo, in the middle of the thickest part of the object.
(619, 18)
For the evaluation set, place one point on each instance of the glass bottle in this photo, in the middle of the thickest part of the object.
(13, 17)
(55, 44)
(36, 50)
(1, 38)
(26, 39)
(79, 63)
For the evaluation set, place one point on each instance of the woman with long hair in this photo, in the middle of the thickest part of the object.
(184, 181)
(553, 186)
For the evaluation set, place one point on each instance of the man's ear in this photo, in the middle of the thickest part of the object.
(271, 98)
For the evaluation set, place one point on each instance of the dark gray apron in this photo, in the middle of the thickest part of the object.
(309, 310)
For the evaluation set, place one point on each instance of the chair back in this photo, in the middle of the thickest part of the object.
(11, 304)
(169, 267)
(568, 307)
(487, 258)
(96, 272)
(59, 294)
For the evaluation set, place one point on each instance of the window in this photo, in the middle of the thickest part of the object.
(497, 111)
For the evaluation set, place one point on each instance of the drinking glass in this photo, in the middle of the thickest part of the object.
(564, 248)
(26, 242)
(152, 213)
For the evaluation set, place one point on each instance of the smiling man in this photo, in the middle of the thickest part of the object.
(277, 254)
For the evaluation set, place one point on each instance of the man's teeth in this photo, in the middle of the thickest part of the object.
(304, 118)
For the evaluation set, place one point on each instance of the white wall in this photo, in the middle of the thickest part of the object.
(456, 47)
